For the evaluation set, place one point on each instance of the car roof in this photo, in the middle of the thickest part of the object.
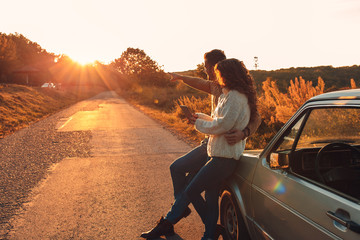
(338, 95)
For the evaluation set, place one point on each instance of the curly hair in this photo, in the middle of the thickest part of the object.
(235, 76)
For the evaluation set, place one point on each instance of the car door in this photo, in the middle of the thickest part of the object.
(287, 205)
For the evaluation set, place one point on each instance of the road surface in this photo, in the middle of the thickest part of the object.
(116, 191)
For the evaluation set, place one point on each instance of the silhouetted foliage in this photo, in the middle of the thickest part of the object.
(8, 57)
(200, 71)
(139, 67)
(16, 51)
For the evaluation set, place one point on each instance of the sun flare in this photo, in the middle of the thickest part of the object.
(83, 60)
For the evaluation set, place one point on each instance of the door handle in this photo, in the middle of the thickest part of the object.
(353, 226)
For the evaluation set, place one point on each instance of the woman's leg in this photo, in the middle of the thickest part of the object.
(189, 163)
(209, 179)
(181, 203)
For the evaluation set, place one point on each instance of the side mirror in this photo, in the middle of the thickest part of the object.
(279, 161)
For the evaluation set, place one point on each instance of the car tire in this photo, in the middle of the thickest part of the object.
(231, 218)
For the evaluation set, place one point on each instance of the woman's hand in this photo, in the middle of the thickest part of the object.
(193, 118)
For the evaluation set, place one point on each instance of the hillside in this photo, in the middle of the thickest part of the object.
(334, 78)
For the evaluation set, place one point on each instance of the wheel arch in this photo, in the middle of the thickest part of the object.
(233, 188)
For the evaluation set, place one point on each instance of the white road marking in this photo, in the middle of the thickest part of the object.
(65, 123)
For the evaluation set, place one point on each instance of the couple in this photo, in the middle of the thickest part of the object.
(234, 117)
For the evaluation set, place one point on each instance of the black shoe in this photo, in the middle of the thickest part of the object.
(220, 231)
(186, 213)
(164, 227)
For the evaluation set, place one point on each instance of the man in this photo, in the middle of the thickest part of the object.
(185, 167)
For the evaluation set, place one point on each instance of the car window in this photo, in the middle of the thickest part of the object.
(289, 138)
(338, 165)
(329, 125)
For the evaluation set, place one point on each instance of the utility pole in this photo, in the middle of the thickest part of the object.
(256, 63)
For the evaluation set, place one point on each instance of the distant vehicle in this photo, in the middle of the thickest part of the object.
(305, 184)
(48, 85)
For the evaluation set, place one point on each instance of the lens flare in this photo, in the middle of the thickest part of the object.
(279, 188)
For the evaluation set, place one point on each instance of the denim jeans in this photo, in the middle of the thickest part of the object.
(209, 179)
(186, 167)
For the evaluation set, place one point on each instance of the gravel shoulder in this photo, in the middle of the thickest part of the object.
(26, 156)
(110, 182)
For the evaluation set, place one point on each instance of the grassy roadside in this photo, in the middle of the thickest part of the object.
(22, 105)
(161, 104)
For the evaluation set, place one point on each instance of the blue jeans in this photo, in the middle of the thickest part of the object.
(185, 168)
(209, 179)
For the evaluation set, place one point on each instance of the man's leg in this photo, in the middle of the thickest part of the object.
(186, 166)
(189, 164)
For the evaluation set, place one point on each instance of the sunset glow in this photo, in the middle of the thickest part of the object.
(83, 60)
(176, 34)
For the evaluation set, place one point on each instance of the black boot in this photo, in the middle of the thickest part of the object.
(164, 227)
(220, 231)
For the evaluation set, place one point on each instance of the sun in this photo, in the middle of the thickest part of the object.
(83, 60)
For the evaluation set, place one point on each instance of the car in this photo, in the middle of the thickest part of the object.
(305, 184)
(48, 85)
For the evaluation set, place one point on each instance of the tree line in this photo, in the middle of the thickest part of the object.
(23, 61)
(134, 65)
(334, 77)
(280, 92)
(17, 51)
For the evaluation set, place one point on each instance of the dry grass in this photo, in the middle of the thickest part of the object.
(162, 104)
(21, 105)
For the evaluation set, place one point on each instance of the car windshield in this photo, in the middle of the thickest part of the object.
(327, 125)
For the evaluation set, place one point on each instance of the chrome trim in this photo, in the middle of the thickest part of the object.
(265, 234)
(309, 221)
(336, 218)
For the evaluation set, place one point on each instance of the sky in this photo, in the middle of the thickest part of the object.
(177, 33)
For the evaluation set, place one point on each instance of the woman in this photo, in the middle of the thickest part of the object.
(233, 111)
(235, 106)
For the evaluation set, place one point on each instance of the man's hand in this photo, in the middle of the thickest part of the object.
(234, 136)
(175, 77)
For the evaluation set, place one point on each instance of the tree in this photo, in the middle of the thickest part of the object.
(17, 51)
(200, 71)
(135, 61)
(138, 66)
(8, 56)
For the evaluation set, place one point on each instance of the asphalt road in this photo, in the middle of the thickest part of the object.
(115, 184)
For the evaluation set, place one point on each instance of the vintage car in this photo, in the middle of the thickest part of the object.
(305, 184)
